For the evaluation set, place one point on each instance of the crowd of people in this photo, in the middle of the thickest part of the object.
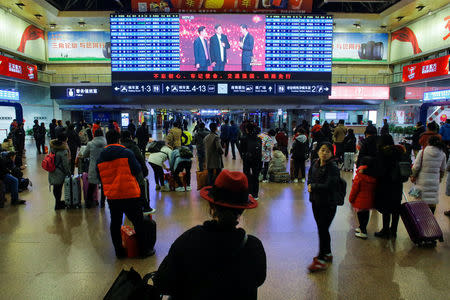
(117, 161)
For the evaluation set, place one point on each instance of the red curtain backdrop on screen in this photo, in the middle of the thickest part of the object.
(17, 69)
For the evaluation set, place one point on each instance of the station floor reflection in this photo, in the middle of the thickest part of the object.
(68, 254)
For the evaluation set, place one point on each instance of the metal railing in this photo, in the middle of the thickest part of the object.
(81, 78)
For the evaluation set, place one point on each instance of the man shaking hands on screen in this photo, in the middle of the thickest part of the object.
(202, 58)
(246, 44)
(218, 49)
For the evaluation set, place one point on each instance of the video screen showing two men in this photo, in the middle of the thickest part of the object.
(222, 43)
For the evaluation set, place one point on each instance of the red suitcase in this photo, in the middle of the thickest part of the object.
(422, 227)
(129, 241)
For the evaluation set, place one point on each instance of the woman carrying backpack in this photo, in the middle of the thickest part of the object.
(62, 164)
(323, 178)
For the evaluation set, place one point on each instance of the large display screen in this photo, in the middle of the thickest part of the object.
(220, 48)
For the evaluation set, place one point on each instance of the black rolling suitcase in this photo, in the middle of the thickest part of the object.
(150, 230)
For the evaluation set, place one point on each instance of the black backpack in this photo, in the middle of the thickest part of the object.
(299, 150)
(185, 152)
(254, 149)
(155, 146)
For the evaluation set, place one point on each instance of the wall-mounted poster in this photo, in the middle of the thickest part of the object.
(79, 46)
(20, 36)
(360, 47)
(427, 34)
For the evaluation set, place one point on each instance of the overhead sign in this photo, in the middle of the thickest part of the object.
(20, 36)
(436, 95)
(416, 92)
(359, 47)
(79, 92)
(297, 6)
(224, 88)
(359, 93)
(427, 34)
(79, 46)
(426, 69)
(8, 95)
(17, 69)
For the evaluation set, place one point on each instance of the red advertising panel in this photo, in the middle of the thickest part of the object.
(359, 92)
(268, 6)
(17, 69)
(426, 69)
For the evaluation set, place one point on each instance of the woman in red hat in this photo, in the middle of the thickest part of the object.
(216, 260)
(323, 178)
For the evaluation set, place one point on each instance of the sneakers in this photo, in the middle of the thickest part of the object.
(188, 188)
(361, 235)
(357, 230)
(295, 180)
(303, 180)
(384, 234)
(149, 211)
(180, 189)
(157, 187)
(317, 265)
(328, 258)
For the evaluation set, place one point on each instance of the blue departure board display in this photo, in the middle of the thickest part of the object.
(221, 47)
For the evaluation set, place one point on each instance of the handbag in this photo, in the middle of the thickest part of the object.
(414, 178)
(129, 285)
(415, 192)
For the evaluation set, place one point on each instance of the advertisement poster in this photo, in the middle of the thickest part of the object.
(233, 42)
(426, 69)
(79, 46)
(360, 47)
(20, 36)
(297, 6)
(428, 34)
(17, 69)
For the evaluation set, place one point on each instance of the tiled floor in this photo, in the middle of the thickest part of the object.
(68, 254)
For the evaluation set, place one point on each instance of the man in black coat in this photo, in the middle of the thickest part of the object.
(218, 45)
(36, 135)
(142, 136)
(19, 143)
(132, 129)
(52, 128)
(368, 146)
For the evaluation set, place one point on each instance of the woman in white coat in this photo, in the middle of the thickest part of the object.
(428, 171)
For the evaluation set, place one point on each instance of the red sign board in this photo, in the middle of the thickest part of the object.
(426, 69)
(340, 92)
(17, 69)
(205, 6)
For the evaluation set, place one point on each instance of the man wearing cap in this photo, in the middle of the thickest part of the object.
(216, 260)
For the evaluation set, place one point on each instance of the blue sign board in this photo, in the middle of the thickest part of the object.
(436, 95)
(9, 95)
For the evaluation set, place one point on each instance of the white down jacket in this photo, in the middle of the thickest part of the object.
(429, 171)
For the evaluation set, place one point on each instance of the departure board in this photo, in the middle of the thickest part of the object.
(221, 47)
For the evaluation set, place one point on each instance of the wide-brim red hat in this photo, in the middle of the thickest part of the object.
(233, 186)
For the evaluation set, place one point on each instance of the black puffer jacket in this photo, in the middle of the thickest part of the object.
(209, 262)
(368, 148)
(324, 182)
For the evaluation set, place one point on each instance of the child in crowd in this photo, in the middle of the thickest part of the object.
(349, 150)
(362, 195)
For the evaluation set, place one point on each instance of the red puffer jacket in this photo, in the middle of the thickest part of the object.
(362, 195)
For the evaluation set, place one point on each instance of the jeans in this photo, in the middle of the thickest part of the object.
(201, 159)
(299, 165)
(132, 208)
(57, 192)
(184, 165)
(252, 170)
(12, 185)
(324, 215)
(265, 169)
(212, 175)
(159, 174)
(363, 218)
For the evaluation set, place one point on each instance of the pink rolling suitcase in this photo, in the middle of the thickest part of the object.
(422, 227)
(85, 180)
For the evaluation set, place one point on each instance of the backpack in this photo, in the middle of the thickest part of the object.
(298, 150)
(341, 191)
(185, 152)
(254, 150)
(155, 146)
(184, 138)
(48, 163)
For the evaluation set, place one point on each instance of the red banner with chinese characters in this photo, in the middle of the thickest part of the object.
(236, 6)
(17, 69)
(426, 69)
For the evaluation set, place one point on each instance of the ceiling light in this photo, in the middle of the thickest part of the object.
(420, 7)
(399, 18)
(52, 26)
(82, 24)
(383, 27)
(20, 5)
(357, 25)
(38, 16)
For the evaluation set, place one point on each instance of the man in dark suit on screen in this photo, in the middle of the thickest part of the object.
(246, 44)
(218, 49)
(202, 59)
